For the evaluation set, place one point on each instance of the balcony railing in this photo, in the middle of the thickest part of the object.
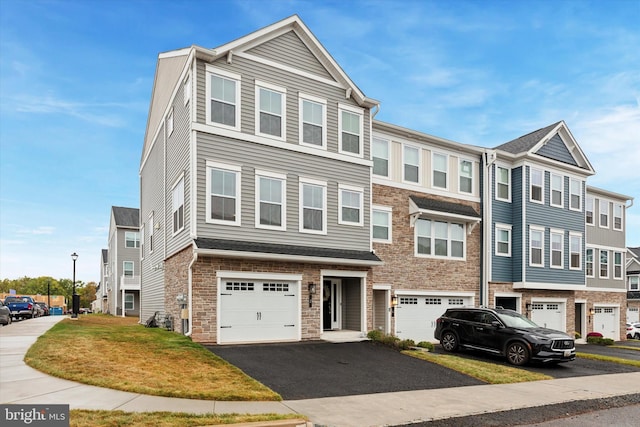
(130, 283)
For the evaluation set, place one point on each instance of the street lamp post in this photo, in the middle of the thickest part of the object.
(74, 302)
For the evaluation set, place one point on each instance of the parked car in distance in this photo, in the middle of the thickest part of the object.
(502, 332)
(633, 330)
(21, 307)
(44, 307)
(5, 314)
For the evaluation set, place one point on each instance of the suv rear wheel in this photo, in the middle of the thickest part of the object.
(517, 353)
(449, 341)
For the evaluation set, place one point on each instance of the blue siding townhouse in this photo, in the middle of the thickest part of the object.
(535, 217)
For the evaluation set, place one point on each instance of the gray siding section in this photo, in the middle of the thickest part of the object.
(178, 151)
(294, 165)
(557, 150)
(289, 50)
(597, 235)
(547, 216)
(152, 199)
(295, 84)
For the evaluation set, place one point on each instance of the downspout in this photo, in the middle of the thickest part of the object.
(489, 158)
(190, 292)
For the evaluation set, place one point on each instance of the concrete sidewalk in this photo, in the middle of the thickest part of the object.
(361, 410)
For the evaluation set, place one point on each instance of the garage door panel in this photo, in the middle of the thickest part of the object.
(416, 315)
(605, 321)
(549, 315)
(258, 311)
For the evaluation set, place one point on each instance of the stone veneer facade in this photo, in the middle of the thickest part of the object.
(403, 270)
(205, 292)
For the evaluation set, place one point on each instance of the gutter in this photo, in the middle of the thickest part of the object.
(488, 159)
(190, 292)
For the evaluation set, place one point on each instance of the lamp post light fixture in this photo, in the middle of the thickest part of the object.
(74, 308)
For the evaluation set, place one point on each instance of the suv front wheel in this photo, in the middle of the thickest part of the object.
(449, 341)
(517, 353)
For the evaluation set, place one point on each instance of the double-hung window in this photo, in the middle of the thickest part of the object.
(575, 251)
(411, 162)
(503, 184)
(270, 200)
(536, 246)
(440, 239)
(617, 216)
(131, 239)
(350, 205)
(604, 264)
(557, 249)
(151, 231)
(536, 185)
(313, 206)
(127, 268)
(617, 265)
(270, 110)
(381, 224)
(380, 154)
(634, 283)
(588, 210)
(223, 103)
(588, 262)
(177, 206)
(350, 123)
(223, 193)
(503, 240)
(129, 301)
(313, 122)
(466, 176)
(440, 170)
(557, 190)
(604, 214)
(575, 191)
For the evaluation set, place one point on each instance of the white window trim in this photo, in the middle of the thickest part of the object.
(404, 146)
(170, 127)
(283, 114)
(354, 110)
(133, 268)
(323, 184)
(388, 158)
(579, 236)
(184, 207)
(531, 199)
(561, 205)
(353, 189)
(600, 263)
(613, 222)
(637, 288)
(230, 168)
(460, 176)
(541, 230)
(389, 211)
(579, 182)
(283, 206)
(230, 76)
(446, 172)
(593, 262)
(621, 265)
(449, 240)
(508, 199)
(593, 213)
(134, 239)
(323, 102)
(133, 301)
(142, 245)
(601, 202)
(551, 250)
(503, 227)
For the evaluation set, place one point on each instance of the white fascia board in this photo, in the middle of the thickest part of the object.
(286, 258)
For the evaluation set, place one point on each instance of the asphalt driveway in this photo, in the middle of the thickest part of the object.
(309, 370)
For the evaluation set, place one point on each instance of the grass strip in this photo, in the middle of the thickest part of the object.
(613, 359)
(118, 353)
(625, 347)
(86, 418)
(490, 373)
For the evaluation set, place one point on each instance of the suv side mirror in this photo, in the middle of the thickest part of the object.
(496, 324)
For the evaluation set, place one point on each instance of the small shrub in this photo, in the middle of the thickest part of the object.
(405, 344)
(577, 335)
(390, 340)
(426, 344)
(375, 335)
(600, 340)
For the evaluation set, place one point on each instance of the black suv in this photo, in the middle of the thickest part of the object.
(504, 332)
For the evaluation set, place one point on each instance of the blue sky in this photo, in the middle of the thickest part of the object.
(76, 78)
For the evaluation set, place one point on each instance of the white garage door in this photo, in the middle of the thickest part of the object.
(254, 311)
(416, 315)
(549, 315)
(633, 315)
(605, 321)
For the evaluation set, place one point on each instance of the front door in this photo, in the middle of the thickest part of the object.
(331, 304)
